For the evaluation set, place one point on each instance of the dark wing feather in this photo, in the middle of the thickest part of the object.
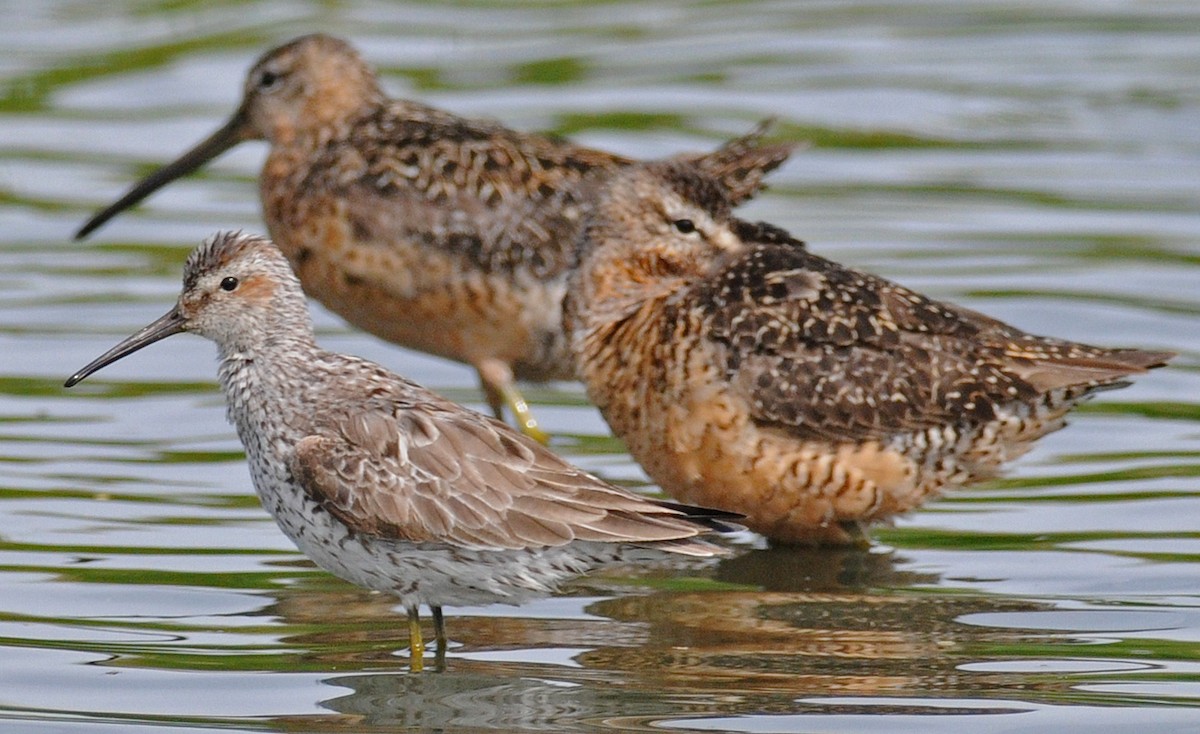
(445, 474)
(501, 198)
(833, 353)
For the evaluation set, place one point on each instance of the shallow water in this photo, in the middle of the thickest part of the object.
(1036, 161)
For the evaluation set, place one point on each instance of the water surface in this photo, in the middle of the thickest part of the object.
(1036, 161)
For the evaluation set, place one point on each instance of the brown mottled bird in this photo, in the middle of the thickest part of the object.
(385, 484)
(746, 373)
(448, 235)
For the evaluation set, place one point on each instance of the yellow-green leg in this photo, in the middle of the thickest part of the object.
(522, 415)
(500, 391)
(416, 643)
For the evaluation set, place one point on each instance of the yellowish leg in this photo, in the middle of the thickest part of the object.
(416, 644)
(523, 416)
(498, 388)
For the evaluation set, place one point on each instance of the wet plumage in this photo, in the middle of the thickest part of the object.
(429, 230)
(384, 483)
(747, 373)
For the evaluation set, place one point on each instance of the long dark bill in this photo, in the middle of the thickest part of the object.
(170, 323)
(231, 133)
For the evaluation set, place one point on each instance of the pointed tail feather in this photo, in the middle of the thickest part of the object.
(742, 163)
(1103, 368)
(718, 521)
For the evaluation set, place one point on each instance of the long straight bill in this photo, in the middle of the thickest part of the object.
(231, 133)
(170, 323)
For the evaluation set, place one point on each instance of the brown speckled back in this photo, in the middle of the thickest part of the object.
(430, 230)
(747, 373)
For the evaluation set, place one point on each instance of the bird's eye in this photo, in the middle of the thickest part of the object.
(268, 80)
(229, 283)
(685, 226)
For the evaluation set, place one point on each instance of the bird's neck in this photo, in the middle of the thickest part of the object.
(265, 386)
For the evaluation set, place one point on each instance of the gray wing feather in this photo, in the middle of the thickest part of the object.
(449, 475)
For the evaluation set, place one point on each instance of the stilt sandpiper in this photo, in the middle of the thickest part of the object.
(386, 484)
